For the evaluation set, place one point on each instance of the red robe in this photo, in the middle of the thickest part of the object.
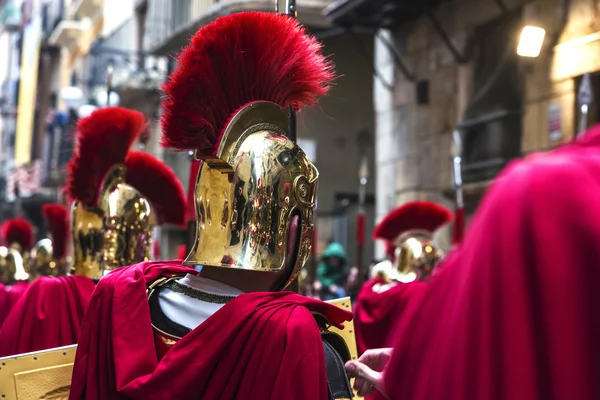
(258, 346)
(514, 314)
(48, 315)
(4, 306)
(376, 314)
(9, 295)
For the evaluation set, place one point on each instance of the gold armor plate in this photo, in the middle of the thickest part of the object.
(347, 334)
(39, 375)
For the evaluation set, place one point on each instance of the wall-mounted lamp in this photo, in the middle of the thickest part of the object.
(531, 41)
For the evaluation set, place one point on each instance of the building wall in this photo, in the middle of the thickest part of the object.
(572, 48)
(413, 141)
(334, 124)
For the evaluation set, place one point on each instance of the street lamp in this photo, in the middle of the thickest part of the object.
(531, 41)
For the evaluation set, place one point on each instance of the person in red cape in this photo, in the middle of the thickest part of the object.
(408, 232)
(513, 312)
(163, 330)
(4, 303)
(256, 347)
(49, 315)
(17, 234)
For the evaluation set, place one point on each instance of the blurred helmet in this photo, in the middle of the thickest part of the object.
(128, 221)
(384, 270)
(410, 228)
(17, 233)
(12, 267)
(49, 255)
(118, 195)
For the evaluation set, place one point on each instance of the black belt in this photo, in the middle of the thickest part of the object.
(337, 379)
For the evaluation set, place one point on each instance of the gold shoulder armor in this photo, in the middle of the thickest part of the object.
(39, 375)
(347, 334)
(342, 340)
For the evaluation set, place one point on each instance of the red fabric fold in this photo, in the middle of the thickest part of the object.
(514, 312)
(9, 295)
(459, 226)
(4, 304)
(48, 315)
(258, 346)
(376, 314)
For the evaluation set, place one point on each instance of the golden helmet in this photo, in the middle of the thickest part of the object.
(112, 218)
(254, 181)
(247, 195)
(382, 270)
(17, 233)
(410, 228)
(49, 256)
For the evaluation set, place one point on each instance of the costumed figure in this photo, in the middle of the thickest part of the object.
(408, 232)
(17, 235)
(332, 272)
(49, 255)
(123, 193)
(164, 330)
(513, 312)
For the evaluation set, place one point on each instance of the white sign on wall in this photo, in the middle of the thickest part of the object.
(554, 122)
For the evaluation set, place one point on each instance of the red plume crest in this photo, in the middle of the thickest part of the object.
(423, 215)
(17, 230)
(103, 140)
(159, 184)
(235, 60)
(57, 220)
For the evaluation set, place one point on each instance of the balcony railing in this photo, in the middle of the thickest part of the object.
(132, 69)
(169, 23)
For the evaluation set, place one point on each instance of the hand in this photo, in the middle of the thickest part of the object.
(369, 371)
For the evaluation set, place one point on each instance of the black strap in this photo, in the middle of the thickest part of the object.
(337, 379)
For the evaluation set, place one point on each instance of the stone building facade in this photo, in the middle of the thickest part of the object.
(504, 106)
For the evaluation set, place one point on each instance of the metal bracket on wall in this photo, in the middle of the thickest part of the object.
(437, 26)
(370, 59)
(397, 60)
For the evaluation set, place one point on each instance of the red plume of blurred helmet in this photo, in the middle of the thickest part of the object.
(19, 231)
(103, 140)
(417, 215)
(57, 221)
(159, 184)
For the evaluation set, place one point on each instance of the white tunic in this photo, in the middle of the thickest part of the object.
(188, 311)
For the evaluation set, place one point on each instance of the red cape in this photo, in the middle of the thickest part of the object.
(48, 315)
(514, 312)
(9, 295)
(258, 346)
(376, 314)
